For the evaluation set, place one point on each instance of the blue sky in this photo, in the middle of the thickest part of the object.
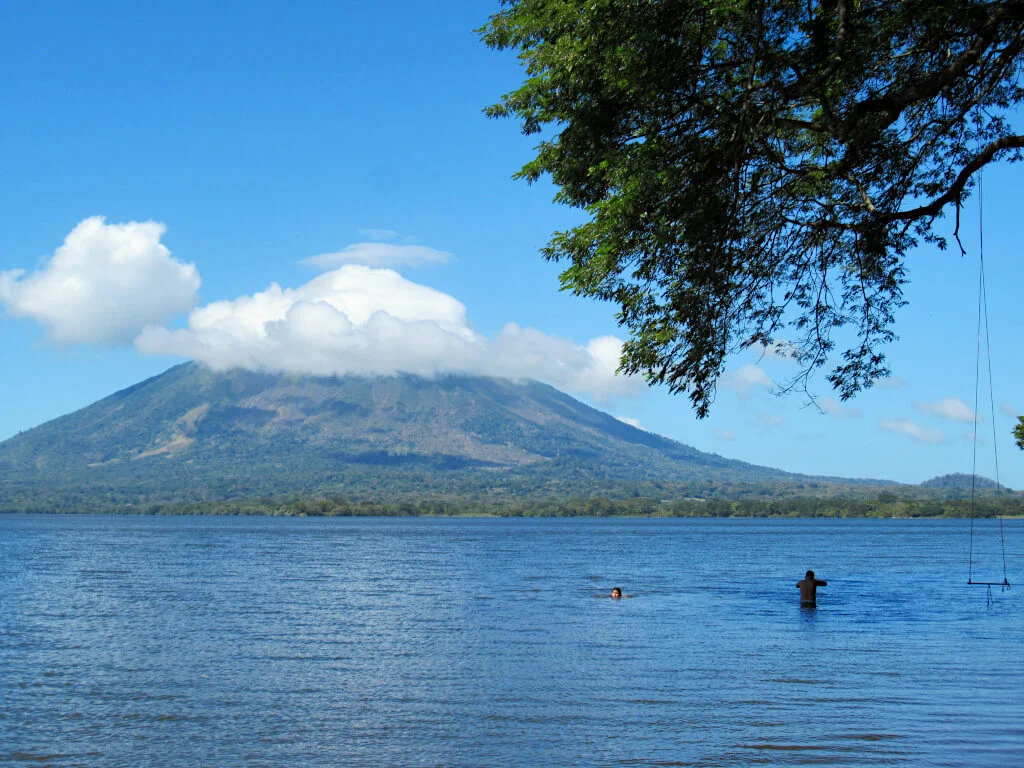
(284, 156)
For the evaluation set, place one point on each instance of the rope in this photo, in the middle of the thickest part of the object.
(992, 410)
(983, 325)
(977, 383)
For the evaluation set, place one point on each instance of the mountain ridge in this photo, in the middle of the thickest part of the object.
(192, 434)
(963, 482)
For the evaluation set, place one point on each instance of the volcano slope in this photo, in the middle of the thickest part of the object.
(193, 434)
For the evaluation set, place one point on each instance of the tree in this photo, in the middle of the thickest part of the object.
(755, 171)
(1018, 432)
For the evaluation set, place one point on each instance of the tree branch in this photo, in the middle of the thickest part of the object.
(893, 104)
(957, 187)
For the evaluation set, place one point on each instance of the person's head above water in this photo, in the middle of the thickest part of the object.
(810, 575)
(616, 592)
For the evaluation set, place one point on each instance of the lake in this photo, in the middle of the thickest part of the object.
(140, 641)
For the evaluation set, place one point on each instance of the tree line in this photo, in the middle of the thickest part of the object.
(885, 505)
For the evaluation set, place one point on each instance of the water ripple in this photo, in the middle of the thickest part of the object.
(376, 642)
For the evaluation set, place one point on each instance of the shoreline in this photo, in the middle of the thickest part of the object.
(494, 515)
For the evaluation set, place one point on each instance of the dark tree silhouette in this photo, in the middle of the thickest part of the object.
(756, 171)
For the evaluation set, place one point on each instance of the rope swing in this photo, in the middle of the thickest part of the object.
(983, 326)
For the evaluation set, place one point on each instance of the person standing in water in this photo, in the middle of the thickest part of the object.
(808, 587)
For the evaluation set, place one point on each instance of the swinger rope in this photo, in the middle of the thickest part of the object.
(983, 326)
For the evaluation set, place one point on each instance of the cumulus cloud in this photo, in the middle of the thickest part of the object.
(377, 254)
(746, 378)
(836, 409)
(631, 421)
(952, 408)
(913, 430)
(724, 434)
(360, 320)
(104, 284)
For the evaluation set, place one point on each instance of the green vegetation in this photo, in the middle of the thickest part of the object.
(192, 435)
(886, 505)
(960, 485)
(757, 171)
(191, 440)
(1018, 432)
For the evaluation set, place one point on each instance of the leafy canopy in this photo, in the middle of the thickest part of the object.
(1018, 432)
(756, 171)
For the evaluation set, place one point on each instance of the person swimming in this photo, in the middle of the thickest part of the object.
(808, 587)
(616, 593)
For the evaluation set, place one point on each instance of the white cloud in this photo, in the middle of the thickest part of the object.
(379, 255)
(907, 427)
(745, 378)
(1009, 410)
(361, 320)
(631, 421)
(724, 434)
(833, 407)
(519, 352)
(104, 284)
(769, 420)
(952, 408)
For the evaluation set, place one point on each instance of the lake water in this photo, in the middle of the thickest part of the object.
(132, 641)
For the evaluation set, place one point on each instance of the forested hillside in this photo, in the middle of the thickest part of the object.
(195, 435)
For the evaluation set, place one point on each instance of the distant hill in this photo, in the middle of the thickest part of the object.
(193, 434)
(962, 483)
